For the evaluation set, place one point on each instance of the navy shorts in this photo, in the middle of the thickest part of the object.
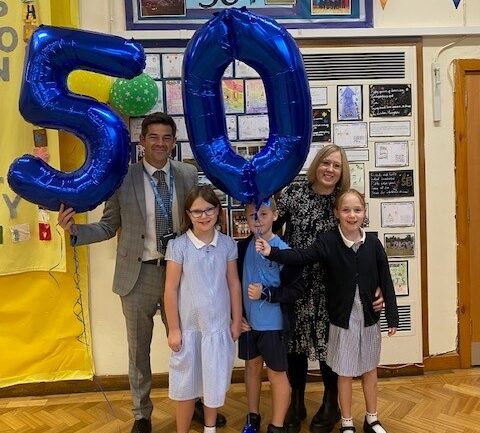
(270, 345)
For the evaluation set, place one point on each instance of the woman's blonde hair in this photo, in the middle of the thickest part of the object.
(344, 181)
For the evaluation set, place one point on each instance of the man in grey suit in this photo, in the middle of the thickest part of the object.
(145, 216)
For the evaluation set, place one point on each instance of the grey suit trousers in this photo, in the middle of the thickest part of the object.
(139, 307)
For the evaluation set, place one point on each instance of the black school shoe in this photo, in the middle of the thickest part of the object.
(253, 419)
(199, 417)
(274, 429)
(368, 428)
(142, 425)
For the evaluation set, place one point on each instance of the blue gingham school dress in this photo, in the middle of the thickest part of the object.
(203, 366)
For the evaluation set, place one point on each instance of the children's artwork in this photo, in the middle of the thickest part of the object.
(181, 128)
(159, 103)
(253, 127)
(391, 154)
(357, 177)
(232, 127)
(244, 71)
(255, 98)
(400, 244)
(319, 95)
(224, 220)
(392, 183)
(187, 155)
(399, 273)
(204, 180)
(20, 232)
(398, 214)
(172, 65)
(312, 152)
(173, 96)
(330, 7)
(233, 95)
(239, 225)
(393, 128)
(135, 129)
(350, 134)
(390, 100)
(349, 103)
(150, 9)
(322, 125)
(152, 66)
(357, 155)
(229, 71)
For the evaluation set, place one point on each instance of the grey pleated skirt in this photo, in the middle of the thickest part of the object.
(356, 350)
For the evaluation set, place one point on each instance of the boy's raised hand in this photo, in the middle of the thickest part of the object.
(262, 247)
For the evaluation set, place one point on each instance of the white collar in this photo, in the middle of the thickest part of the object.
(151, 169)
(350, 243)
(199, 243)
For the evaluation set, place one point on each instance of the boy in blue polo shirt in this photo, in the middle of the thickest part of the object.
(269, 291)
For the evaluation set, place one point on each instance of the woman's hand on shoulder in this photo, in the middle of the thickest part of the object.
(175, 339)
(262, 247)
(236, 329)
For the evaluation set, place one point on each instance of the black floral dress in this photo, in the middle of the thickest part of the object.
(307, 214)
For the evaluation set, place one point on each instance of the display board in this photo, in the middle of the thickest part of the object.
(371, 113)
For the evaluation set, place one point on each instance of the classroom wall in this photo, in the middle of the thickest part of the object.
(411, 18)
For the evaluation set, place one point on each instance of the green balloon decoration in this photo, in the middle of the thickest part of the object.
(134, 97)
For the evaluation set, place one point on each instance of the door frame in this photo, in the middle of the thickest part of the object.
(462, 68)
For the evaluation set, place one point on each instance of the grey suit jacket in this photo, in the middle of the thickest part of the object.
(126, 210)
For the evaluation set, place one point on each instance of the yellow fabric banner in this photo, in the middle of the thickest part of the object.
(29, 241)
(44, 322)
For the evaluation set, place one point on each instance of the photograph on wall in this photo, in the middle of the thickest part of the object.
(158, 8)
(291, 14)
(239, 224)
(390, 100)
(391, 154)
(399, 244)
(399, 273)
(322, 125)
(352, 134)
(397, 214)
(248, 149)
(172, 65)
(331, 7)
(173, 96)
(392, 183)
(233, 96)
(255, 97)
(349, 103)
(357, 176)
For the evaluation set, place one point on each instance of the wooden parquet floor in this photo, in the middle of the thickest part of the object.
(438, 402)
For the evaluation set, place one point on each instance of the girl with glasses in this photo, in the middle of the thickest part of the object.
(203, 306)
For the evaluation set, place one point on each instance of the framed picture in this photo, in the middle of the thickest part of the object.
(349, 103)
(399, 273)
(239, 224)
(397, 214)
(399, 244)
(185, 15)
(204, 180)
(224, 221)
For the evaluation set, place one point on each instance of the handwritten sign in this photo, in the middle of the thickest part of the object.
(397, 183)
(390, 100)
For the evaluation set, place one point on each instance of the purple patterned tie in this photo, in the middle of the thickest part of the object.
(163, 225)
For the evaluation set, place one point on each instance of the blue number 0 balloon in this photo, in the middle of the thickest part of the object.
(268, 48)
(46, 101)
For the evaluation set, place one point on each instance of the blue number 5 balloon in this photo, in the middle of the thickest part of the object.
(46, 101)
(267, 47)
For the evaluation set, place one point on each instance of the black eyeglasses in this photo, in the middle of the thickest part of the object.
(197, 213)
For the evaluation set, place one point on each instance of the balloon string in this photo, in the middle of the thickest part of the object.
(78, 305)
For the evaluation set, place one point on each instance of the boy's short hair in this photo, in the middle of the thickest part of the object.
(270, 202)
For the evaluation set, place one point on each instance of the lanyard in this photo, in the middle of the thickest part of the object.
(158, 197)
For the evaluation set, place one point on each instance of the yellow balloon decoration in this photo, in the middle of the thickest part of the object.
(90, 84)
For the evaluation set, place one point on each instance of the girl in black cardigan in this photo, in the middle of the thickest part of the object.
(355, 265)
